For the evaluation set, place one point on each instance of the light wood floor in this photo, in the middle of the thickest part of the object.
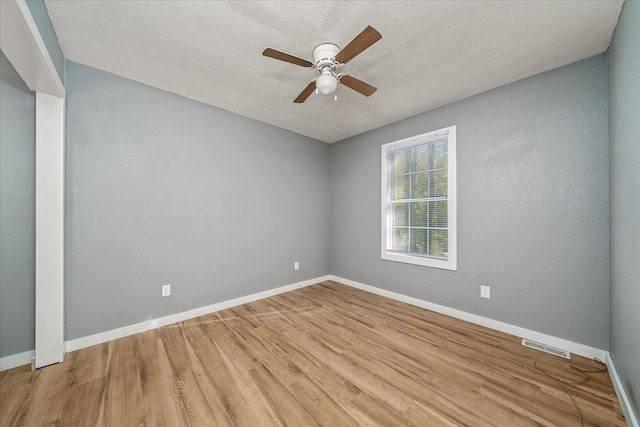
(322, 355)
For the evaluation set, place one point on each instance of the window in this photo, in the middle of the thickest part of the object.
(419, 200)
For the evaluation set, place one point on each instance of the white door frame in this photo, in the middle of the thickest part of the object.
(23, 45)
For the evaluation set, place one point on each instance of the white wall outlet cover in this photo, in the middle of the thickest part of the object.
(166, 290)
(485, 291)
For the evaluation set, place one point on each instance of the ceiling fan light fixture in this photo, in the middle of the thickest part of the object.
(326, 84)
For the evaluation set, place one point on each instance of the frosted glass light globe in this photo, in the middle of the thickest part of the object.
(326, 84)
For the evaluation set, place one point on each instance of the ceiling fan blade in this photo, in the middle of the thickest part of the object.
(358, 85)
(276, 54)
(362, 41)
(305, 93)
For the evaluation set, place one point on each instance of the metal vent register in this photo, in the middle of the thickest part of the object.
(546, 348)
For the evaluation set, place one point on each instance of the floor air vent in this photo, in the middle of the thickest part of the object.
(546, 348)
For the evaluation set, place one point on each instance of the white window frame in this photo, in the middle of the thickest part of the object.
(450, 263)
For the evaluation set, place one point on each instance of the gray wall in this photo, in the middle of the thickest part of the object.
(162, 189)
(624, 134)
(40, 15)
(17, 212)
(532, 205)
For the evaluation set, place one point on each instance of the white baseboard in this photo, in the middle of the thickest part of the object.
(147, 325)
(16, 360)
(25, 358)
(570, 346)
(20, 359)
(625, 403)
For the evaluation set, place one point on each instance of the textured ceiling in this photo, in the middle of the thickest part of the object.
(431, 53)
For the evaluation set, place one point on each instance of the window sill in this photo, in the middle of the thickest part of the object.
(444, 264)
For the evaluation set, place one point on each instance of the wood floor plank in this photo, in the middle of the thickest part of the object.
(122, 400)
(340, 392)
(227, 389)
(326, 354)
(161, 398)
(16, 386)
(82, 405)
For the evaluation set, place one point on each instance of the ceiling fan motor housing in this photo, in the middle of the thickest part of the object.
(324, 55)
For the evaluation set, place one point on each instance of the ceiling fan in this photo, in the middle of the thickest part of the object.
(327, 59)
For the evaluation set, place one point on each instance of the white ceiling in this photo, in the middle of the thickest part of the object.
(432, 53)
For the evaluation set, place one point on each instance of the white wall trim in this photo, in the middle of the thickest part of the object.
(573, 347)
(15, 360)
(625, 403)
(113, 334)
(23, 45)
(49, 322)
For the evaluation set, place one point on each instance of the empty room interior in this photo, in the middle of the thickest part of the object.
(332, 213)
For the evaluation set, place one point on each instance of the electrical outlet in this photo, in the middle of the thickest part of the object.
(485, 291)
(166, 290)
(296, 265)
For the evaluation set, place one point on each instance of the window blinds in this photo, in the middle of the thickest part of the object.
(418, 189)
